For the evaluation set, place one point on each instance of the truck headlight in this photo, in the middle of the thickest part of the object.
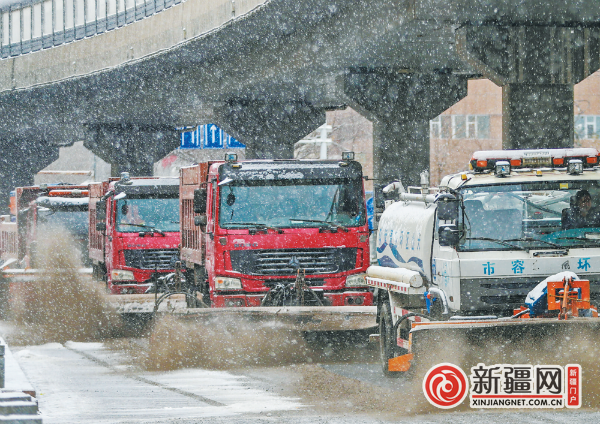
(227, 283)
(121, 275)
(356, 280)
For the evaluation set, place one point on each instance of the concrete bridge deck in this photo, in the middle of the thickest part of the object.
(266, 71)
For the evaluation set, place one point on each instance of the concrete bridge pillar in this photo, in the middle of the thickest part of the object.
(131, 148)
(537, 116)
(400, 106)
(269, 130)
(21, 160)
(536, 68)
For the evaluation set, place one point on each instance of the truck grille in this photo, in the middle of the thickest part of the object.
(281, 262)
(313, 282)
(151, 259)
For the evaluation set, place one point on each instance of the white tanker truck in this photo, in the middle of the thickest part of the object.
(466, 255)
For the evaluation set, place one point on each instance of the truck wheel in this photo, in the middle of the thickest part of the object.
(201, 282)
(95, 272)
(99, 274)
(388, 348)
(206, 294)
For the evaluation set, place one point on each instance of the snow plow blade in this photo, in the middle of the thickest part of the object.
(144, 303)
(17, 283)
(478, 331)
(498, 340)
(301, 318)
(15, 276)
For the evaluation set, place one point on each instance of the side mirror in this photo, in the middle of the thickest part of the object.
(101, 226)
(200, 220)
(449, 235)
(447, 207)
(200, 200)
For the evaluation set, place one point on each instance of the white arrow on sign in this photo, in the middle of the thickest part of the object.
(213, 130)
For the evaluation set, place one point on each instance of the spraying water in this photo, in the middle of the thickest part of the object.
(61, 304)
(223, 343)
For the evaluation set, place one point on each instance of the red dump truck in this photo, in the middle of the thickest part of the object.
(134, 231)
(59, 207)
(37, 212)
(275, 232)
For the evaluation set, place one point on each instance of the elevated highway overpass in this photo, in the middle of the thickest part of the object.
(123, 75)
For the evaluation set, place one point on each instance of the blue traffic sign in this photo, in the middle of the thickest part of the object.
(234, 144)
(213, 137)
(189, 140)
(209, 136)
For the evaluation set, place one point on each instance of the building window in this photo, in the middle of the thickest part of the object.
(446, 126)
(590, 127)
(587, 126)
(471, 126)
(435, 127)
(460, 127)
(483, 127)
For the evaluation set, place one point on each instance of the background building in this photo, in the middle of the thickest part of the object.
(75, 164)
(348, 131)
(475, 123)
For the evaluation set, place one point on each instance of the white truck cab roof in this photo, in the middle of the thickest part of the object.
(495, 167)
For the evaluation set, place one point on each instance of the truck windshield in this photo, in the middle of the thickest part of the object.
(292, 203)
(135, 215)
(75, 221)
(524, 216)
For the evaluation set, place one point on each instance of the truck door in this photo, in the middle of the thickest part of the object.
(445, 269)
(108, 234)
(210, 229)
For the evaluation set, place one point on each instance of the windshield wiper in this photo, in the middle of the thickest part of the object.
(502, 242)
(257, 225)
(328, 223)
(151, 228)
(558, 246)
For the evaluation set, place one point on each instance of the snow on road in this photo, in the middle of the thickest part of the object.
(84, 382)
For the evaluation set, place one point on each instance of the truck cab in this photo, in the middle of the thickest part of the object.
(134, 231)
(44, 211)
(475, 247)
(251, 226)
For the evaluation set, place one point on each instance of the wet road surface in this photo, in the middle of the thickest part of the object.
(102, 383)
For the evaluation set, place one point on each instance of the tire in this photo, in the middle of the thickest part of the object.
(388, 347)
(95, 272)
(201, 282)
(99, 274)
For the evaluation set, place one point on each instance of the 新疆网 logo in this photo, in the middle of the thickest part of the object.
(504, 386)
(445, 385)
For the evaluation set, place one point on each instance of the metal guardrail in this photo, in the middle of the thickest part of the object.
(40, 24)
